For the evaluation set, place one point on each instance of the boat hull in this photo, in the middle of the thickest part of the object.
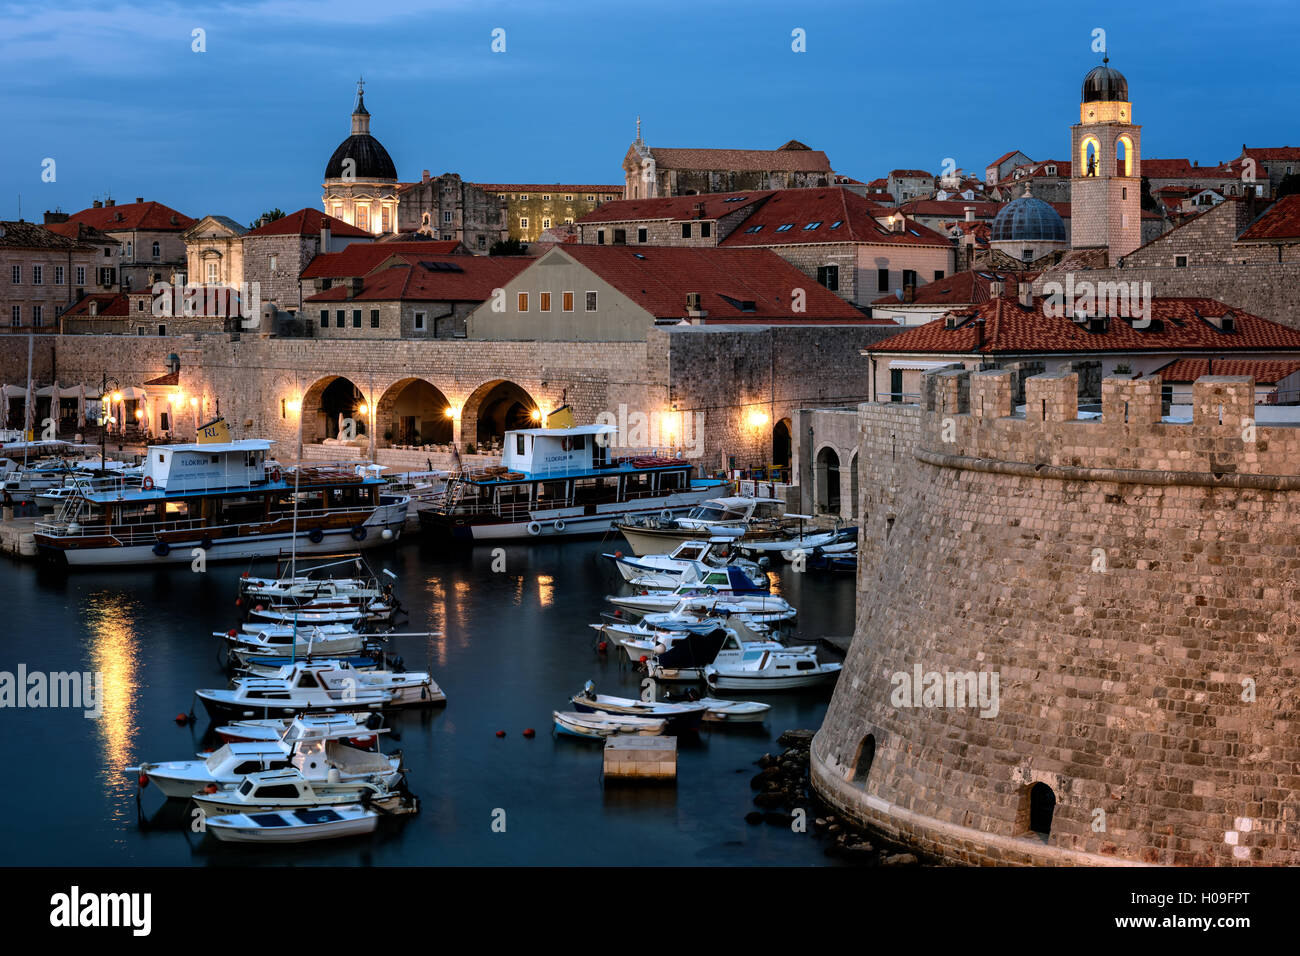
(238, 828)
(757, 682)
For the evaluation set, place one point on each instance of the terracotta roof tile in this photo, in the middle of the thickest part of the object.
(798, 208)
(748, 160)
(134, 216)
(675, 208)
(1009, 328)
(416, 277)
(552, 188)
(1182, 371)
(961, 288)
(306, 222)
(1281, 221)
(360, 258)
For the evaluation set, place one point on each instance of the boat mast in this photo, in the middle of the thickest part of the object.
(30, 399)
(297, 477)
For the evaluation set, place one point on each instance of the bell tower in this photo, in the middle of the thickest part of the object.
(1106, 167)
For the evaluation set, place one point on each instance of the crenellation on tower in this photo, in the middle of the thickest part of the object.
(1131, 401)
(1052, 397)
(991, 393)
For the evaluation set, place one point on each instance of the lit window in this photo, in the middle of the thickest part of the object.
(523, 222)
(546, 224)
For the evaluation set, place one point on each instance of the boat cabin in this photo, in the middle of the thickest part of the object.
(738, 508)
(207, 467)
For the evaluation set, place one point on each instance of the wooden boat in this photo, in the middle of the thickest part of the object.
(597, 726)
(293, 826)
(561, 482)
(220, 497)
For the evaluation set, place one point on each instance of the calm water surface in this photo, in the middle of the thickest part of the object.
(514, 647)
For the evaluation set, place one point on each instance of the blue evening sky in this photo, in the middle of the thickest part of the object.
(113, 93)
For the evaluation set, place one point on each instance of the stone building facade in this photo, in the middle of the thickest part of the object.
(446, 207)
(214, 254)
(1130, 583)
(150, 237)
(532, 209)
(651, 172)
(43, 273)
(1106, 181)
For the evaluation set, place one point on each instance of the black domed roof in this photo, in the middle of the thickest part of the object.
(1105, 85)
(371, 159)
(1028, 220)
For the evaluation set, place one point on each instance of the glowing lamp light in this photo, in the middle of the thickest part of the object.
(451, 412)
(139, 413)
(757, 419)
(194, 401)
(117, 396)
(363, 409)
(537, 414)
(293, 405)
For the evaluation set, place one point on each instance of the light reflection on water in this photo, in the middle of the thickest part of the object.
(111, 619)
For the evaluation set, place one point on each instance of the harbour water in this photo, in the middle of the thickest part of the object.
(514, 645)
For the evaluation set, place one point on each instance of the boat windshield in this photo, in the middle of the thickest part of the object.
(217, 758)
(246, 787)
(707, 513)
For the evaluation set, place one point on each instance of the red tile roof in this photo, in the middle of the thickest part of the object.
(749, 160)
(1272, 153)
(1183, 371)
(1182, 169)
(171, 378)
(412, 278)
(79, 231)
(881, 184)
(797, 208)
(1003, 158)
(359, 258)
(956, 208)
(106, 303)
(674, 208)
(210, 301)
(134, 215)
(658, 279)
(1281, 221)
(306, 222)
(910, 174)
(1009, 328)
(961, 288)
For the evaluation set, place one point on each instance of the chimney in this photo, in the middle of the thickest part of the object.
(979, 332)
(699, 210)
(97, 205)
(970, 213)
(909, 293)
(325, 234)
(110, 202)
(354, 286)
(424, 176)
(139, 199)
(1026, 294)
(996, 287)
(692, 303)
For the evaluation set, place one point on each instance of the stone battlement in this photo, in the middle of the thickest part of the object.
(969, 415)
(1127, 589)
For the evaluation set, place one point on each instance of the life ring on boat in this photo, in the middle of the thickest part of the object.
(666, 515)
(359, 533)
(534, 527)
(315, 535)
(147, 484)
(558, 526)
(162, 549)
(275, 474)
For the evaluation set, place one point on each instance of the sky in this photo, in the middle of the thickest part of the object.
(115, 94)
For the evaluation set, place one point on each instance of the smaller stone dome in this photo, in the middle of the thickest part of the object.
(1028, 220)
(1105, 85)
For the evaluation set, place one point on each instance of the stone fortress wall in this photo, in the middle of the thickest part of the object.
(1132, 583)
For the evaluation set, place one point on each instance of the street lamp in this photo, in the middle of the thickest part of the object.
(104, 417)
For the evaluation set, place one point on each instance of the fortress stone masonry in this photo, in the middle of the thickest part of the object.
(1133, 584)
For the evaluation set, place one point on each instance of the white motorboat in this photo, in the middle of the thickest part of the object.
(324, 612)
(734, 711)
(801, 541)
(680, 716)
(313, 686)
(758, 668)
(689, 561)
(289, 789)
(697, 598)
(727, 517)
(597, 726)
(355, 727)
(314, 750)
(293, 826)
(294, 642)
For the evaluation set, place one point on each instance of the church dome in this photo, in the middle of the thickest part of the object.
(1105, 85)
(1028, 220)
(371, 159)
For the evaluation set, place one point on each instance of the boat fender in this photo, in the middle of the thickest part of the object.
(501, 733)
(275, 474)
(143, 780)
(666, 515)
(558, 526)
(530, 733)
(210, 788)
(162, 549)
(315, 535)
(359, 533)
(534, 528)
(147, 484)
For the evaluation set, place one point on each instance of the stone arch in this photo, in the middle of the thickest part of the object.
(496, 407)
(1037, 809)
(414, 412)
(323, 404)
(827, 480)
(1124, 156)
(865, 757)
(782, 443)
(1089, 156)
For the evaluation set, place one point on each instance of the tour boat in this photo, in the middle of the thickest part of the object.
(684, 716)
(727, 517)
(760, 667)
(293, 826)
(599, 726)
(313, 686)
(560, 482)
(289, 790)
(221, 498)
(315, 751)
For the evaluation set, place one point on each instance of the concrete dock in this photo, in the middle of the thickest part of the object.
(634, 757)
(17, 535)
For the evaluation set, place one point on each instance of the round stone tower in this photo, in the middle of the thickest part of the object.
(1076, 637)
